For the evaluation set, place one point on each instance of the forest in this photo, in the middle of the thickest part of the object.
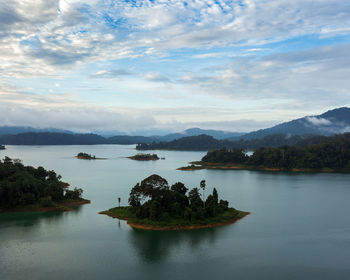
(315, 153)
(26, 185)
(155, 203)
(154, 199)
(205, 143)
(145, 157)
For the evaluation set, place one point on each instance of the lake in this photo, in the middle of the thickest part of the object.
(299, 227)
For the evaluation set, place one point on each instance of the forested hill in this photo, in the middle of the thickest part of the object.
(206, 143)
(329, 123)
(332, 153)
(52, 138)
(25, 185)
(191, 143)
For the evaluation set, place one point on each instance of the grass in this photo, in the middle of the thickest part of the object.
(126, 213)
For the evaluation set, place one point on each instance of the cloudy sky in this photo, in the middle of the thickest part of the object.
(170, 65)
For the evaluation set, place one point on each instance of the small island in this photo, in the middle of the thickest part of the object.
(86, 156)
(144, 157)
(154, 205)
(2, 147)
(29, 189)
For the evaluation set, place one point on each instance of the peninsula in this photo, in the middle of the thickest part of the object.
(144, 157)
(154, 205)
(329, 154)
(29, 189)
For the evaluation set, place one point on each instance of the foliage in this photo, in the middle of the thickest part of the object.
(24, 185)
(85, 156)
(206, 143)
(167, 222)
(145, 157)
(224, 156)
(318, 153)
(154, 200)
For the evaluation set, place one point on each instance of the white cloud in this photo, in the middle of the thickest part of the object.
(156, 77)
(69, 32)
(318, 121)
(52, 38)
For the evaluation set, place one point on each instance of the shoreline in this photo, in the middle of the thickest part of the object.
(139, 159)
(198, 165)
(241, 215)
(59, 207)
(78, 157)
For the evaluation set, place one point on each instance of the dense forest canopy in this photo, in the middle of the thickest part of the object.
(85, 156)
(155, 200)
(145, 157)
(25, 185)
(206, 143)
(321, 152)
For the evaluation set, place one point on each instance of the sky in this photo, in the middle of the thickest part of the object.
(147, 65)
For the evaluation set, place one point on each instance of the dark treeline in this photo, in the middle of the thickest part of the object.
(155, 200)
(2, 147)
(318, 153)
(54, 138)
(145, 157)
(206, 143)
(85, 156)
(25, 185)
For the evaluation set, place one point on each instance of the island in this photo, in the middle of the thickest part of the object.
(328, 154)
(30, 189)
(144, 157)
(2, 147)
(86, 156)
(154, 205)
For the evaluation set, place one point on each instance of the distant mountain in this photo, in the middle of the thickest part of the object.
(53, 138)
(191, 143)
(332, 122)
(4, 130)
(217, 134)
(128, 140)
(206, 143)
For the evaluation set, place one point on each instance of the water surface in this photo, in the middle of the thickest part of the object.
(299, 227)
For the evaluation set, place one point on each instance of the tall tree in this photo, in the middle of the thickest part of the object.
(202, 185)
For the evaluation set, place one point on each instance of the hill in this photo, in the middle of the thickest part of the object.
(329, 154)
(206, 143)
(217, 134)
(51, 138)
(5, 130)
(128, 140)
(329, 123)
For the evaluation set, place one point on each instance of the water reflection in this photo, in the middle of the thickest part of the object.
(156, 246)
(34, 219)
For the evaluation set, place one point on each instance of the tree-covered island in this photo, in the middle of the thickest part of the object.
(330, 154)
(26, 188)
(154, 205)
(142, 157)
(86, 156)
(2, 147)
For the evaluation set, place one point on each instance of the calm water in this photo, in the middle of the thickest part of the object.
(299, 227)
